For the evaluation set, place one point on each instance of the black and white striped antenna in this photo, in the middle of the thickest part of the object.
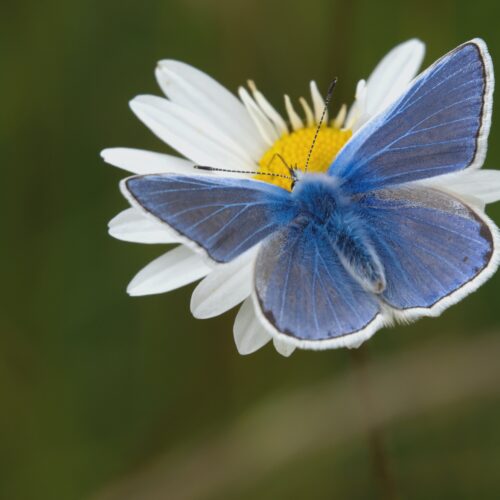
(328, 98)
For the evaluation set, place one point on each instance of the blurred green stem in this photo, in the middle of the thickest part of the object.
(375, 437)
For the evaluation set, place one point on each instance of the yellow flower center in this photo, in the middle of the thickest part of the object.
(294, 148)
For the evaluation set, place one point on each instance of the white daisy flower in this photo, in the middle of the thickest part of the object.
(210, 126)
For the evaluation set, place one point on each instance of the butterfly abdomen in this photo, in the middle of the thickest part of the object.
(357, 254)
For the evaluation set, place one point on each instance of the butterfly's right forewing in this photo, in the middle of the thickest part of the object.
(439, 125)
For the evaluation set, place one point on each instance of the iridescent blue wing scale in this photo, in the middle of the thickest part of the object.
(224, 217)
(304, 294)
(440, 125)
(434, 248)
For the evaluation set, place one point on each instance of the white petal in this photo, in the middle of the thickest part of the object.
(262, 122)
(357, 114)
(284, 348)
(393, 74)
(318, 102)
(249, 334)
(132, 225)
(341, 116)
(307, 111)
(174, 269)
(268, 109)
(197, 91)
(188, 133)
(295, 119)
(222, 128)
(143, 162)
(224, 288)
(482, 184)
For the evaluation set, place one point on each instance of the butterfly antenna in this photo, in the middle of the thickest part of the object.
(280, 157)
(277, 155)
(320, 123)
(249, 172)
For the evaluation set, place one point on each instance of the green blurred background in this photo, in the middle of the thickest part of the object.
(109, 397)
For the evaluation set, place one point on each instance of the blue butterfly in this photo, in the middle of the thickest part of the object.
(368, 242)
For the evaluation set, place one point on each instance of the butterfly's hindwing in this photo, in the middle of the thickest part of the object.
(305, 293)
(434, 248)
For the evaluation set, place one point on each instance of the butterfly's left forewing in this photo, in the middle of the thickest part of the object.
(223, 217)
(305, 296)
